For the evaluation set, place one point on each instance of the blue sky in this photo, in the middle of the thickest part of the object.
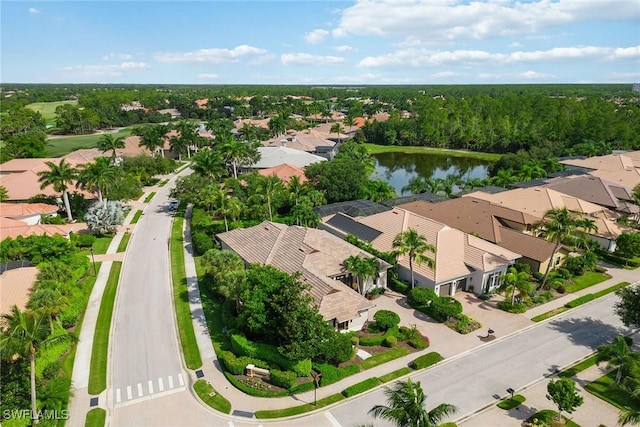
(321, 42)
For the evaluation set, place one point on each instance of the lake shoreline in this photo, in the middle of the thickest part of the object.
(377, 149)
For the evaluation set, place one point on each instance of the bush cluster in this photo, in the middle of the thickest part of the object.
(332, 374)
(237, 365)
(386, 319)
(426, 360)
(361, 387)
(390, 341)
(241, 345)
(436, 307)
(378, 339)
(284, 379)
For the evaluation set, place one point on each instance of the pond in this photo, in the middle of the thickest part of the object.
(398, 168)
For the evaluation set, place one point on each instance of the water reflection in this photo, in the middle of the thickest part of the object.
(398, 168)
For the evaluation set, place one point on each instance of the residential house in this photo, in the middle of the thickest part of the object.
(536, 201)
(462, 261)
(275, 156)
(619, 168)
(505, 227)
(319, 257)
(307, 142)
(285, 172)
(23, 219)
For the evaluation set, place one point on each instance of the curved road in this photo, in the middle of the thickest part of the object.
(147, 373)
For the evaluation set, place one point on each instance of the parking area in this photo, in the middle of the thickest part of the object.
(444, 340)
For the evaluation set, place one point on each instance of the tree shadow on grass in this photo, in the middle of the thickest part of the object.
(587, 332)
(522, 412)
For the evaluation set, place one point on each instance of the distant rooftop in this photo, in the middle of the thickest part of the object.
(353, 208)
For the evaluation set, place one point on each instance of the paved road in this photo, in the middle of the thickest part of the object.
(145, 359)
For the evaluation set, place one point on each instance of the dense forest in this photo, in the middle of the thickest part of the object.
(544, 120)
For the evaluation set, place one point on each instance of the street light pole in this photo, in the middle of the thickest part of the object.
(316, 381)
(93, 260)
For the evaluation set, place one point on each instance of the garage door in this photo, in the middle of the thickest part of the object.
(445, 290)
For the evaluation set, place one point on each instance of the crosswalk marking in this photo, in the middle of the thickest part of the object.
(170, 381)
(164, 385)
(181, 379)
(129, 395)
(230, 424)
(332, 419)
(139, 389)
(150, 387)
(160, 384)
(118, 396)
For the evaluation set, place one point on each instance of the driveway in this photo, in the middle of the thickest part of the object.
(444, 340)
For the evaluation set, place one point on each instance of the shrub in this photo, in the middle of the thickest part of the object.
(84, 240)
(104, 218)
(361, 387)
(442, 308)
(355, 340)
(201, 242)
(398, 286)
(378, 339)
(421, 296)
(516, 308)
(580, 300)
(284, 379)
(463, 324)
(413, 337)
(386, 319)
(390, 341)
(332, 374)
(385, 357)
(269, 353)
(426, 360)
(338, 348)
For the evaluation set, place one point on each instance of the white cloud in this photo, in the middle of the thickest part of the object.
(316, 36)
(445, 74)
(344, 48)
(535, 75)
(208, 76)
(112, 55)
(212, 56)
(428, 58)
(515, 45)
(33, 11)
(524, 76)
(308, 59)
(108, 70)
(431, 20)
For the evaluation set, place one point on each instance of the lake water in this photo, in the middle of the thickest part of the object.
(398, 168)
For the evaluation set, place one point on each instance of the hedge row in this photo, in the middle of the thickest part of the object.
(269, 353)
(378, 339)
(426, 360)
(361, 387)
(385, 357)
(236, 365)
(580, 300)
(284, 379)
(252, 391)
(331, 374)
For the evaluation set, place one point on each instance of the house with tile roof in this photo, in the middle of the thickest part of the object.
(275, 156)
(285, 172)
(505, 227)
(462, 261)
(319, 258)
(619, 168)
(305, 141)
(23, 219)
(536, 201)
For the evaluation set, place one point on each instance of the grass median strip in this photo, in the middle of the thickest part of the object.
(96, 418)
(136, 216)
(100, 349)
(578, 367)
(394, 375)
(181, 298)
(122, 246)
(149, 197)
(301, 409)
(511, 403)
(211, 397)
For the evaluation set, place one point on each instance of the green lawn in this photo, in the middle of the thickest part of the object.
(48, 109)
(57, 147)
(548, 314)
(588, 279)
(96, 418)
(602, 388)
(547, 416)
(375, 149)
(181, 297)
(136, 216)
(122, 246)
(510, 403)
(149, 197)
(301, 409)
(211, 397)
(578, 367)
(100, 349)
(101, 244)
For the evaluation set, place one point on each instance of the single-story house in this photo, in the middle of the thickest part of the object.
(319, 257)
(285, 172)
(29, 213)
(305, 142)
(462, 261)
(275, 156)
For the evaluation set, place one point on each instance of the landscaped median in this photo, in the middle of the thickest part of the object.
(578, 302)
(96, 418)
(181, 298)
(100, 349)
(207, 393)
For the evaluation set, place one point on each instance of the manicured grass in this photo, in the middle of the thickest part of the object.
(361, 387)
(375, 149)
(385, 357)
(590, 297)
(100, 348)
(287, 412)
(589, 279)
(510, 403)
(181, 297)
(149, 197)
(136, 216)
(163, 183)
(394, 375)
(578, 367)
(101, 244)
(547, 416)
(122, 246)
(211, 397)
(611, 289)
(548, 314)
(602, 388)
(180, 169)
(48, 109)
(96, 417)
(57, 147)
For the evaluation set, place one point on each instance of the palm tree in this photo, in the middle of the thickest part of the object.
(619, 356)
(108, 143)
(504, 178)
(226, 205)
(59, 176)
(414, 244)
(631, 416)
(557, 225)
(267, 189)
(234, 152)
(187, 137)
(23, 334)
(48, 302)
(208, 164)
(152, 137)
(337, 128)
(362, 269)
(406, 407)
(349, 121)
(513, 281)
(99, 176)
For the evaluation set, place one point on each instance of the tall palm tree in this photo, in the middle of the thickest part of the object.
(362, 268)
(108, 143)
(208, 164)
(414, 244)
(631, 416)
(234, 152)
(187, 138)
(513, 281)
(99, 176)
(349, 121)
(557, 225)
(23, 334)
(337, 128)
(618, 355)
(60, 176)
(267, 189)
(406, 406)
(226, 205)
(48, 302)
(152, 137)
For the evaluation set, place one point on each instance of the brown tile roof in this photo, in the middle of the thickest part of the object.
(13, 210)
(586, 187)
(316, 254)
(15, 287)
(13, 228)
(285, 172)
